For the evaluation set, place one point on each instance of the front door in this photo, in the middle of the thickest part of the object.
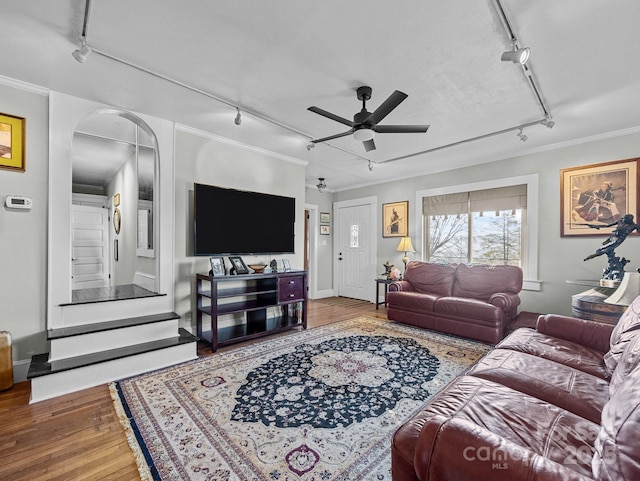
(355, 249)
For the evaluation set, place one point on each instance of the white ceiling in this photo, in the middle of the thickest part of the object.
(273, 59)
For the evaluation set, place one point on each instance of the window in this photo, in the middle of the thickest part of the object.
(483, 226)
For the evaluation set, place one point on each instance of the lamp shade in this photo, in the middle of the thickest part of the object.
(405, 245)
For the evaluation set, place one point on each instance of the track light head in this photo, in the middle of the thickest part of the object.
(310, 146)
(522, 136)
(370, 166)
(82, 53)
(322, 185)
(517, 55)
(238, 119)
(548, 123)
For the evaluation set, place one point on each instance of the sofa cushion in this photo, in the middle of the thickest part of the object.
(628, 362)
(436, 279)
(482, 281)
(573, 390)
(625, 331)
(462, 307)
(478, 429)
(412, 301)
(617, 456)
(572, 354)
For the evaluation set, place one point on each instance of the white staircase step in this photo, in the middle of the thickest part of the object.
(54, 378)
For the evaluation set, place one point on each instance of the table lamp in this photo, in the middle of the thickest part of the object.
(405, 246)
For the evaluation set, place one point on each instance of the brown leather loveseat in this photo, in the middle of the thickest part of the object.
(474, 301)
(561, 402)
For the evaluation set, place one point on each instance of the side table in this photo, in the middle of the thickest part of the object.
(385, 282)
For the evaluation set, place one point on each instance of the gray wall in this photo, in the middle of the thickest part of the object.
(205, 160)
(324, 202)
(560, 258)
(23, 234)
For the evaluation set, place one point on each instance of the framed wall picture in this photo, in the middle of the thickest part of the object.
(116, 199)
(238, 265)
(217, 266)
(325, 217)
(597, 195)
(325, 229)
(395, 219)
(12, 142)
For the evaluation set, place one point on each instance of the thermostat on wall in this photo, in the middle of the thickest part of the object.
(18, 202)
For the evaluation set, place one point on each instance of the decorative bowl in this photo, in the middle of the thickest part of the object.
(257, 268)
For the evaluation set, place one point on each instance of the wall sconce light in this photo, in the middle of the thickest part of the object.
(322, 186)
(405, 246)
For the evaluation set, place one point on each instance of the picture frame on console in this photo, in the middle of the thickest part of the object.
(597, 195)
(238, 265)
(217, 266)
(286, 265)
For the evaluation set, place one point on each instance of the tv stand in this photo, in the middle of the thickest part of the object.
(258, 305)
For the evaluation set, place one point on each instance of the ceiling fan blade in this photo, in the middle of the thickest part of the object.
(369, 145)
(400, 129)
(387, 106)
(331, 137)
(331, 116)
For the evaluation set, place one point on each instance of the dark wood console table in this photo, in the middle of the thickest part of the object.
(590, 304)
(262, 304)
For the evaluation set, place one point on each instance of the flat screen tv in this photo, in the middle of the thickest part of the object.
(230, 221)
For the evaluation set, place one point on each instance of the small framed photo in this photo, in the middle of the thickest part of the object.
(238, 265)
(395, 219)
(325, 217)
(217, 266)
(325, 229)
(286, 265)
(12, 142)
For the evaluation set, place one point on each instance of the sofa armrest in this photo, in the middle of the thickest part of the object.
(401, 286)
(587, 333)
(459, 450)
(505, 301)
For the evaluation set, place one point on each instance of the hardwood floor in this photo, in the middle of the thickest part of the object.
(79, 437)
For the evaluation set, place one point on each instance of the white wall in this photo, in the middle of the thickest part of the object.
(205, 159)
(560, 258)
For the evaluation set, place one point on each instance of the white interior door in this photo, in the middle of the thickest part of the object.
(90, 247)
(354, 248)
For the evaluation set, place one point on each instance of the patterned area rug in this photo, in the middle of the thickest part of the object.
(313, 405)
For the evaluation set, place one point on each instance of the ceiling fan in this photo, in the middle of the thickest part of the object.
(365, 124)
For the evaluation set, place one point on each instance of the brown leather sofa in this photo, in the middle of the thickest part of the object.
(474, 301)
(559, 402)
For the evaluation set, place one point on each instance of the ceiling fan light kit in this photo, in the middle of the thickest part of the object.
(365, 124)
